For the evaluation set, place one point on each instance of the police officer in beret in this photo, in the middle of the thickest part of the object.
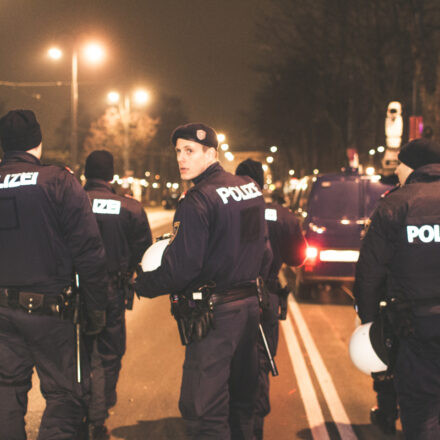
(288, 247)
(220, 240)
(126, 235)
(47, 231)
(402, 248)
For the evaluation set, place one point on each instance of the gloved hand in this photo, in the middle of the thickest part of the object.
(141, 286)
(95, 322)
(200, 323)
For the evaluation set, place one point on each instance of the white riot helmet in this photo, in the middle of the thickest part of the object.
(153, 255)
(366, 348)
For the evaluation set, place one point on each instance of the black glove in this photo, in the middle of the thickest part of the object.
(95, 322)
(141, 287)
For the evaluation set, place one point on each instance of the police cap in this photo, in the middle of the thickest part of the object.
(99, 165)
(253, 169)
(19, 131)
(419, 152)
(198, 132)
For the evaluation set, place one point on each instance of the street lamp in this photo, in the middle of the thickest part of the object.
(94, 53)
(140, 97)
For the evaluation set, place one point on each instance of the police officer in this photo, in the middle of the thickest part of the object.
(288, 246)
(126, 234)
(220, 239)
(47, 230)
(402, 247)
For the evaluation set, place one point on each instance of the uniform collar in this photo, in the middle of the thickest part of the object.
(20, 156)
(98, 184)
(426, 173)
(212, 169)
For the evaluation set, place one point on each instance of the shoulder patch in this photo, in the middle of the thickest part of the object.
(69, 170)
(387, 193)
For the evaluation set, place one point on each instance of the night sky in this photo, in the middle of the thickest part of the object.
(202, 51)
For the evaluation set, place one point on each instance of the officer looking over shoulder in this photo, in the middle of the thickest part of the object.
(126, 234)
(47, 230)
(402, 247)
(218, 250)
(289, 247)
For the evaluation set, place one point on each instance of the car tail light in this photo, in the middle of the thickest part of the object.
(311, 253)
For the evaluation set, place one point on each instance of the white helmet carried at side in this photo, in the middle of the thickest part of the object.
(366, 349)
(153, 255)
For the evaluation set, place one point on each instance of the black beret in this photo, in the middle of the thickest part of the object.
(419, 152)
(99, 165)
(199, 133)
(253, 169)
(19, 131)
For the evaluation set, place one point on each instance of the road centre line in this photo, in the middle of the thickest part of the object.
(310, 400)
(323, 376)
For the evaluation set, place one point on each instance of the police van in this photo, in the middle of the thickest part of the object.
(333, 209)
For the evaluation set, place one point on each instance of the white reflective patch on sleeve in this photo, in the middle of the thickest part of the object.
(270, 214)
(106, 206)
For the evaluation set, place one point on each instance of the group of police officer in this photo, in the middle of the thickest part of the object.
(62, 245)
(68, 255)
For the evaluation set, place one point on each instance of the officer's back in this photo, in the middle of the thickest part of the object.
(47, 230)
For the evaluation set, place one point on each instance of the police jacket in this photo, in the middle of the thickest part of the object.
(401, 248)
(219, 235)
(123, 224)
(47, 229)
(286, 239)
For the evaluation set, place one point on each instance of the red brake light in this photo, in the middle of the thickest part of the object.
(311, 253)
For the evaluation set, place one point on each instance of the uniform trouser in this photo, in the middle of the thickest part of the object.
(48, 343)
(270, 325)
(220, 375)
(417, 378)
(386, 394)
(107, 350)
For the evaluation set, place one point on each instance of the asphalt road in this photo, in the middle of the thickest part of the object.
(319, 394)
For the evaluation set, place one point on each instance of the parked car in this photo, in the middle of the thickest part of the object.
(333, 209)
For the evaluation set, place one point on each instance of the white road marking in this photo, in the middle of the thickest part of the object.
(308, 394)
(331, 396)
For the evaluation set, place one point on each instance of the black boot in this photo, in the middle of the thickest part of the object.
(98, 432)
(385, 422)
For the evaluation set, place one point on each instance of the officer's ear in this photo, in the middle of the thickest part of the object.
(212, 153)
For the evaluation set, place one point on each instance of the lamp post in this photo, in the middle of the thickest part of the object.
(94, 54)
(141, 97)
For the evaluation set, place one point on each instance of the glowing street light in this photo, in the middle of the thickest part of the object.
(273, 149)
(372, 152)
(380, 149)
(55, 53)
(221, 137)
(229, 156)
(316, 171)
(269, 159)
(224, 147)
(291, 172)
(93, 53)
(140, 97)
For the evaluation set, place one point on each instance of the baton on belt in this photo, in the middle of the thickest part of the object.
(77, 323)
(273, 365)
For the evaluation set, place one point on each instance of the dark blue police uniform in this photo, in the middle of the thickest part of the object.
(47, 228)
(219, 235)
(288, 247)
(126, 235)
(402, 248)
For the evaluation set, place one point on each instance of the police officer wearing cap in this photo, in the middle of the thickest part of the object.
(47, 230)
(288, 246)
(220, 240)
(402, 248)
(126, 234)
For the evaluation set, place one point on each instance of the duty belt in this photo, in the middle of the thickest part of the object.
(233, 295)
(32, 302)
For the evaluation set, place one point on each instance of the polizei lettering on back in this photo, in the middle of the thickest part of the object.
(425, 233)
(106, 206)
(238, 193)
(19, 179)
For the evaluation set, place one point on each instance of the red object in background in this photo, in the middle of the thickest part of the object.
(415, 127)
